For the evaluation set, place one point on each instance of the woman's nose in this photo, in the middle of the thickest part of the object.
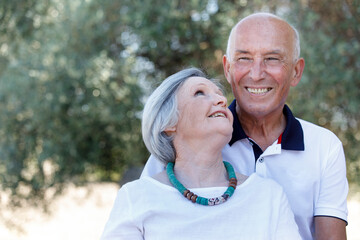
(220, 100)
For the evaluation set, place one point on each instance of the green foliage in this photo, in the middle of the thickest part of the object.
(69, 104)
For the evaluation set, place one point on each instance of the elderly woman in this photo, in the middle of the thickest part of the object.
(186, 123)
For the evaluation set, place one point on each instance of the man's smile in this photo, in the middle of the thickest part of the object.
(258, 90)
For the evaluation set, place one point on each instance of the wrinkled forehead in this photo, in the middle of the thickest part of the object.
(195, 82)
(198, 81)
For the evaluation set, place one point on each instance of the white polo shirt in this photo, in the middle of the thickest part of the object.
(307, 161)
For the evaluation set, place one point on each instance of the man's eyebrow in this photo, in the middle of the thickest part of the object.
(274, 52)
(241, 51)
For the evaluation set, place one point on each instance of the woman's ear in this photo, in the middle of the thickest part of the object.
(170, 130)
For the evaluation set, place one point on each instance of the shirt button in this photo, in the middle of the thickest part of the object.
(261, 160)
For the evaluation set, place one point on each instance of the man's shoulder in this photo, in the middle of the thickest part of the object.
(309, 126)
(315, 131)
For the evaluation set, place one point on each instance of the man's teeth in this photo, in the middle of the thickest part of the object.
(258, 90)
(218, 115)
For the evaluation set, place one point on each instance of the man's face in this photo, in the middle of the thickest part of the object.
(261, 65)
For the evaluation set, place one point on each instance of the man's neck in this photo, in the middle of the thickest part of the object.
(263, 130)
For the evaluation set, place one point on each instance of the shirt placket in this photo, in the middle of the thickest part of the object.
(261, 162)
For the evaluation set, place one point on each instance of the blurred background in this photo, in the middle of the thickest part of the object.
(74, 75)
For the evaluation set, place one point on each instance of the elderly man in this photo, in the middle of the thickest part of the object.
(261, 64)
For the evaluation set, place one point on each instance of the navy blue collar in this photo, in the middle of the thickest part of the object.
(292, 137)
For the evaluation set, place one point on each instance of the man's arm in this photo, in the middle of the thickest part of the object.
(329, 228)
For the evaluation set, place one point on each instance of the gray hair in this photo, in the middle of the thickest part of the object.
(161, 112)
(269, 15)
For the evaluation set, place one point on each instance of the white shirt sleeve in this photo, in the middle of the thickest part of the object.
(334, 186)
(120, 225)
(153, 166)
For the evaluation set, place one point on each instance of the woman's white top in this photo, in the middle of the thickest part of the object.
(148, 209)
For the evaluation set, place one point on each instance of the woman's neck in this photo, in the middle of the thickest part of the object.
(199, 161)
(201, 170)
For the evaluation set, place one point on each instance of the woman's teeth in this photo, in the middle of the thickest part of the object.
(217, 115)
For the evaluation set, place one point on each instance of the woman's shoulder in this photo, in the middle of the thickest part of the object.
(137, 185)
(147, 184)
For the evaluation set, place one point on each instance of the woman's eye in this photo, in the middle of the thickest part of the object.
(199, 92)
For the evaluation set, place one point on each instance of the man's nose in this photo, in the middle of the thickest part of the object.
(257, 70)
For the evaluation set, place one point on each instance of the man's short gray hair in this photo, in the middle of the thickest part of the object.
(296, 33)
(161, 112)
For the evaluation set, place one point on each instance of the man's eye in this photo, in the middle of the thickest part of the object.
(243, 59)
(199, 92)
(272, 59)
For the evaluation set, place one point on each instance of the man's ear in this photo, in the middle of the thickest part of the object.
(298, 71)
(226, 66)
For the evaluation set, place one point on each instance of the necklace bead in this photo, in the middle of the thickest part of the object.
(201, 200)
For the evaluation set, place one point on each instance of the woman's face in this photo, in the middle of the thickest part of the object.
(203, 112)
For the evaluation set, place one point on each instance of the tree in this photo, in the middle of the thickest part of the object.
(69, 103)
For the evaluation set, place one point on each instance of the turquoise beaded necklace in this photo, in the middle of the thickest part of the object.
(201, 200)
